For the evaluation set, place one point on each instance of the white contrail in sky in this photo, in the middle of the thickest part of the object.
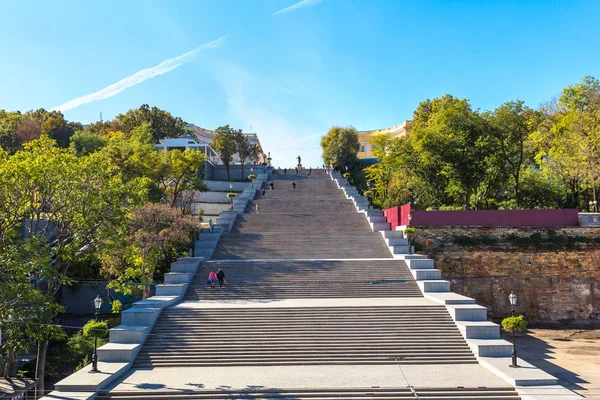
(138, 77)
(301, 4)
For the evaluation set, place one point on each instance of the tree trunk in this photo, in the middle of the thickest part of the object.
(10, 370)
(40, 369)
(467, 200)
(517, 194)
(228, 177)
(242, 177)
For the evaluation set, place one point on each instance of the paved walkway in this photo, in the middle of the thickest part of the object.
(315, 376)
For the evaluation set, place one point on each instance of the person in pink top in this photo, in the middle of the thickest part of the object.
(212, 279)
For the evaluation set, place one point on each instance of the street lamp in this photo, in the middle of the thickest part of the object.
(595, 204)
(97, 305)
(513, 302)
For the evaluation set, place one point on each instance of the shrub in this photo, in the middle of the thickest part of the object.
(96, 329)
(116, 306)
(231, 195)
(514, 324)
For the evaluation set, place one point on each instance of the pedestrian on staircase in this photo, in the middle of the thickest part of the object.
(263, 192)
(221, 277)
(272, 186)
(212, 279)
(257, 208)
(293, 185)
(296, 170)
(285, 171)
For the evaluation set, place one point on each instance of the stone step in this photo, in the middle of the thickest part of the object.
(178, 277)
(479, 329)
(171, 289)
(449, 298)
(467, 312)
(427, 274)
(156, 302)
(128, 333)
(118, 352)
(139, 316)
(422, 263)
(434, 286)
(490, 347)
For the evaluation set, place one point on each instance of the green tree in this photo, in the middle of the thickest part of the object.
(155, 233)
(511, 125)
(225, 143)
(84, 143)
(568, 140)
(162, 124)
(9, 123)
(178, 177)
(340, 148)
(26, 312)
(244, 149)
(452, 140)
(71, 204)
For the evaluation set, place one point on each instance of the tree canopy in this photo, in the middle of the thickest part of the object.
(511, 157)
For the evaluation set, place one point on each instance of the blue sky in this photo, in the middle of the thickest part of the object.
(292, 75)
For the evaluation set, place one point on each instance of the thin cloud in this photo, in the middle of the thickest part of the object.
(138, 77)
(301, 4)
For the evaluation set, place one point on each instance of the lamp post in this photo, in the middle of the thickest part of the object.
(595, 204)
(97, 305)
(513, 302)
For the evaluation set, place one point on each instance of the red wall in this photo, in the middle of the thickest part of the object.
(515, 218)
(393, 216)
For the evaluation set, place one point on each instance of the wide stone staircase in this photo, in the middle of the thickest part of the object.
(315, 307)
(315, 220)
(292, 336)
(276, 279)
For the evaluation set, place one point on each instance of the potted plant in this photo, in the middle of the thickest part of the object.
(252, 177)
(347, 176)
(411, 235)
(231, 196)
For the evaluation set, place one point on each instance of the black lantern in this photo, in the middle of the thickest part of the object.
(513, 302)
(97, 305)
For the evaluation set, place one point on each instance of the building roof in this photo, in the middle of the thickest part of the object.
(400, 128)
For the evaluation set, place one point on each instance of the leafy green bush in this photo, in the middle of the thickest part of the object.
(96, 329)
(514, 324)
(116, 306)
(252, 177)
(231, 195)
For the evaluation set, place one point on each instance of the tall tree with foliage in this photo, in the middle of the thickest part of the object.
(178, 177)
(568, 140)
(26, 312)
(511, 125)
(244, 149)
(155, 233)
(340, 148)
(162, 124)
(84, 143)
(225, 143)
(71, 204)
(452, 138)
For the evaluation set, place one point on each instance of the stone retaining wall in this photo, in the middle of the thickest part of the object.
(555, 273)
